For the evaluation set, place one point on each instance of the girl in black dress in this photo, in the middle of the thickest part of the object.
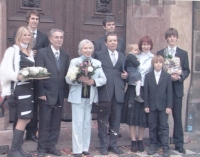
(16, 58)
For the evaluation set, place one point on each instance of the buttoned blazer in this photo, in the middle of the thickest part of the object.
(179, 84)
(55, 86)
(99, 44)
(76, 88)
(115, 84)
(158, 96)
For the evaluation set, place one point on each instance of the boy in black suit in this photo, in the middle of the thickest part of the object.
(171, 35)
(158, 104)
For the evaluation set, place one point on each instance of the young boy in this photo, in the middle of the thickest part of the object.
(158, 104)
(171, 35)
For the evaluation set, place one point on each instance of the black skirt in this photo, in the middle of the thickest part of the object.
(133, 112)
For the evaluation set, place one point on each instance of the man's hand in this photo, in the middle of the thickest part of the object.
(89, 82)
(43, 98)
(124, 75)
(35, 52)
(146, 109)
(168, 110)
(83, 79)
(175, 77)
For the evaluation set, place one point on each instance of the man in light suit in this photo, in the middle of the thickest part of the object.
(171, 35)
(112, 64)
(108, 26)
(40, 41)
(51, 92)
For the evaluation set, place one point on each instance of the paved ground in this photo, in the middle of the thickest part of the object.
(192, 143)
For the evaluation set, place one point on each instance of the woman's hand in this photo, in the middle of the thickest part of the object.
(168, 110)
(89, 82)
(83, 79)
(19, 77)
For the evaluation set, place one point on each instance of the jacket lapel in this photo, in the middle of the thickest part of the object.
(38, 38)
(52, 57)
(107, 57)
(153, 78)
(162, 75)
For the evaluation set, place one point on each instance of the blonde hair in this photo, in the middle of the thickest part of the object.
(83, 42)
(131, 47)
(156, 59)
(20, 33)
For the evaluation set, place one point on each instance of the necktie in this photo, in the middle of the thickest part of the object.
(113, 58)
(34, 39)
(172, 52)
(56, 55)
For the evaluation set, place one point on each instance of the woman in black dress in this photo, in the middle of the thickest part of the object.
(16, 58)
(133, 112)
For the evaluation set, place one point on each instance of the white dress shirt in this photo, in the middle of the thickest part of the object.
(170, 50)
(116, 55)
(157, 75)
(54, 51)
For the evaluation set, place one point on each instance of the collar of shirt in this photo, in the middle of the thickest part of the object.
(157, 73)
(35, 35)
(116, 54)
(54, 50)
(169, 49)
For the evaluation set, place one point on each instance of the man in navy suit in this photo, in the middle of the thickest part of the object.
(108, 26)
(171, 35)
(51, 92)
(112, 64)
(158, 104)
(40, 40)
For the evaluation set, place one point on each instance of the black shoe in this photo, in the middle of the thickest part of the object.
(152, 150)
(166, 153)
(115, 150)
(103, 151)
(41, 154)
(85, 153)
(140, 146)
(33, 138)
(139, 99)
(77, 155)
(180, 150)
(54, 151)
(134, 146)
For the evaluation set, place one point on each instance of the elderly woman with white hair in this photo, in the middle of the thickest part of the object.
(81, 102)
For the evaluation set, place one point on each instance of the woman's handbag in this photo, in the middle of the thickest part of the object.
(102, 107)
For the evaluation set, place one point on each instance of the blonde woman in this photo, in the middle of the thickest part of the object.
(16, 58)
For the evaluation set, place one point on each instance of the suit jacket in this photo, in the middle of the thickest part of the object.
(76, 88)
(55, 86)
(115, 84)
(178, 85)
(99, 44)
(158, 96)
(41, 40)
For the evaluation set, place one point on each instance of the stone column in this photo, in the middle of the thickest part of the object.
(153, 18)
(3, 30)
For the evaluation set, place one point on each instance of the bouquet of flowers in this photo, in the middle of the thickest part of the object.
(34, 73)
(83, 69)
(172, 64)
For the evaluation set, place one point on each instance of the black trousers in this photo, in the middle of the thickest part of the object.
(177, 116)
(49, 126)
(113, 121)
(157, 120)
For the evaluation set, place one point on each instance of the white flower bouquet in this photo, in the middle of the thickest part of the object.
(172, 64)
(34, 73)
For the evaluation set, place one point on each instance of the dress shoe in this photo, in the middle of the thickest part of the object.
(54, 151)
(85, 153)
(140, 146)
(180, 150)
(33, 138)
(133, 146)
(166, 153)
(77, 155)
(41, 154)
(104, 151)
(115, 150)
(139, 99)
(152, 150)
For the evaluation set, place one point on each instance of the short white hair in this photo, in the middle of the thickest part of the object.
(55, 30)
(82, 42)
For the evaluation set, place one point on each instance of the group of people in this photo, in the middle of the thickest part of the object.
(150, 94)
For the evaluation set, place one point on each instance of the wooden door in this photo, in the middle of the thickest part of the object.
(79, 19)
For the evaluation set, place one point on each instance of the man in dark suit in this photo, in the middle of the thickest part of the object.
(40, 40)
(171, 35)
(158, 104)
(108, 26)
(112, 64)
(51, 92)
